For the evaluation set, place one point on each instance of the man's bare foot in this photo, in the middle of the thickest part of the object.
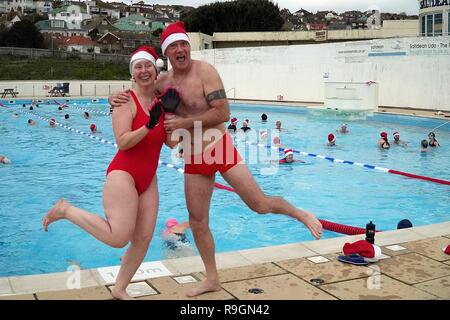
(312, 223)
(56, 213)
(121, 294)
(204, 287)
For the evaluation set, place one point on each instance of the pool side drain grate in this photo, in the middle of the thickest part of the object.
(255, 290)
(317, 281)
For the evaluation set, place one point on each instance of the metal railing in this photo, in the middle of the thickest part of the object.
(234, 93)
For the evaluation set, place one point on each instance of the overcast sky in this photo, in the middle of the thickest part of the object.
(393, 6)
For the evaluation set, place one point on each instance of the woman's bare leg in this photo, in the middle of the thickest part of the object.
(143, 233)
(120, 202)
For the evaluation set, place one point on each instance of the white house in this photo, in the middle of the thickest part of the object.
(16, 5)
(42, 6)
(73, 15)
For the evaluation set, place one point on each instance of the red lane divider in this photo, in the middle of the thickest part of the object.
(415, 176)
(327, 225)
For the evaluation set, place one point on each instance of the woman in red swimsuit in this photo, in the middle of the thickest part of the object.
(130, 193)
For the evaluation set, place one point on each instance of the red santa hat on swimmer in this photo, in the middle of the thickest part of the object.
(288, 152)
(368, 251)
(234, 120)
(331, 138)
(396, 134)
(383, 135)
(93, 126)
(174, 32)
(143, 52)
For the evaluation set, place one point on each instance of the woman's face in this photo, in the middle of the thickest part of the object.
(144, 72)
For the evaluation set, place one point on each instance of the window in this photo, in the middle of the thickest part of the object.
(422, 22)
(429, 25)
(438, 24)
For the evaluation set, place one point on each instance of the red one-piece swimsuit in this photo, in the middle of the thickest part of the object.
(141, 161)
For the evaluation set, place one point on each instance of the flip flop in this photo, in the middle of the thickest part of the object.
(355, 259)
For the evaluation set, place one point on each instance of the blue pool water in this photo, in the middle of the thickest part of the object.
(52, 163)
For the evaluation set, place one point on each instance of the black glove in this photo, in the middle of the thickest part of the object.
(155, 113)
(170, 100)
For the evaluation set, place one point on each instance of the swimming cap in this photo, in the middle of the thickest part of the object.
(92, 126)
(383, 135)
(52, 121)
(331, 137)
(405, 223)
(171, 222)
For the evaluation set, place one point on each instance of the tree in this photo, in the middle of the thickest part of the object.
(22, 34)
(234, 16)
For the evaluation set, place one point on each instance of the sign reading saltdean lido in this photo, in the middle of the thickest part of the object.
(433, 3)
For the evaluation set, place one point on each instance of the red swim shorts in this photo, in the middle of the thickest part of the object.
(220, 158)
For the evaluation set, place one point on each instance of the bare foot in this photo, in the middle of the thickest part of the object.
(205, 286)
(56, 213)
(121, 295)
(312, 223)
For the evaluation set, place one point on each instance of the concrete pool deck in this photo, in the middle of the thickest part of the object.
(413, 267)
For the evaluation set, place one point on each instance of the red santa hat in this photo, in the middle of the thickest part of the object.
(288, 152)
(143, 52)
(365, 249)
(234, 120)
(383, 135)
(446, 249)
(396, 134)
(93, 127)
(331, 138)
(174, 32)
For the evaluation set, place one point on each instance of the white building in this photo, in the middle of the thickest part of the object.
(42, 6)
(16, 5)
(434, 17)
(374, 20)
(73, 16)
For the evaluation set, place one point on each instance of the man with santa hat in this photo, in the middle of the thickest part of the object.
(204, 106)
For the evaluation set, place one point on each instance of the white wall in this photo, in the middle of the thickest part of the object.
(410, 72)
(30, 89)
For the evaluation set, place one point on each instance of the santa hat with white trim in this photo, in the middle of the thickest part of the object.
(365, 249)
(143, 52)
(174, 32)
(288, 152)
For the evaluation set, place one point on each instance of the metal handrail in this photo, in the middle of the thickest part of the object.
(234, 93)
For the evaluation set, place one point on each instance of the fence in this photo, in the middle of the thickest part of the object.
(33, 53)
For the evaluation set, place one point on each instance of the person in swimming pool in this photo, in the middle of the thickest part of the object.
(31, 122)
(343, 128)
(130, 193)
(289, 157)
(383, 142)
(432, 142)
(232, 127)
(86, 115)
(264, 117)
(175, 240)
(424, 145)
(245, 126)
(331, 140)
(4, 160)
(278, 125)
(397, 140)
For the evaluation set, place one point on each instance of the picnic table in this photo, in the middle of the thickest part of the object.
(9, 91)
